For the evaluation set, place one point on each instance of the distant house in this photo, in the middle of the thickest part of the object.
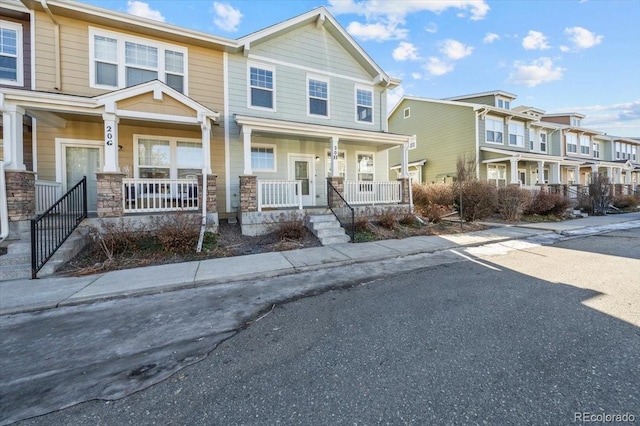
(511, 145)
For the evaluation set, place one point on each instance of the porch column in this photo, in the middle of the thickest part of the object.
(610, 174)
(514, 171)
(12, 117)
(110, 143)
(576, 172)
(554, 172)
(404, 164)
(627, 176)
(206, 146)
(334, 156)
(540, 173)
(110, 194)
(248, 194)
(246, 140)
(21, 195)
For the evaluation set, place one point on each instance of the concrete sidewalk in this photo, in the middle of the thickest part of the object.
(50, 292)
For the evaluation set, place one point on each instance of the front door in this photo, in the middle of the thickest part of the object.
(301, 168)
(79, 161)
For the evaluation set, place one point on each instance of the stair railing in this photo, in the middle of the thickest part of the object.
(51, 228)
(342, 211)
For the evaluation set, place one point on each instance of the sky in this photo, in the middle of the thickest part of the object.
(556, 55)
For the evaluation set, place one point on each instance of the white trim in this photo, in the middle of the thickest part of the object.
(327, 157)
(227, 158)
(312, 174)
(19, 82)
(308, 96)
(357, 168)
(328, 74)
(355, 104)
(265, 67)
(275, 157)
(61, 144)
(516, 126)
(173, 159)
(32, 26)
(152, 116)
(121, 39)
(413, 142)
(488, 118)
(406, 113)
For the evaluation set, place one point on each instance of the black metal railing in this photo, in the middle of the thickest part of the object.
(345, 214)
(51, 228)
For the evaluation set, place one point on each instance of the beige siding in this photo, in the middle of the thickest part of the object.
(444, 133)
(45, 63)
(146, 103)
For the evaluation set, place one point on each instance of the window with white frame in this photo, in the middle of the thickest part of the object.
(494, 129)
(318, 90)
(407, 112)
(120, 60)
(634, 153)
(497, 174)
(167, 158)
(618, 146)
(365, 166)
(532, 139)
(585, 145)
(341, 163)
(516, 134)
(572, 143)
(413, 142)
(364, 105)
(596, 150)
(263, 157)
(575, 122)
(500, 103)
(543, 142)
(11, 60)
(262, 87)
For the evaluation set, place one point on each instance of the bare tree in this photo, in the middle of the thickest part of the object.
(466, 168)
(600, 193)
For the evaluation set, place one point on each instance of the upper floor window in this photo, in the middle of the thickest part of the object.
(11, 54)
(575, 122)
(634, 153)
(572, 143)
(262, 87)
(413, 142)
(532, 139)
(120, 60)
(407, 112)
(318, 97)
(516, 134)
(596, 150)
(495, 129)
(364, 105)
(502, 103)
(543, 142)
(585, 143)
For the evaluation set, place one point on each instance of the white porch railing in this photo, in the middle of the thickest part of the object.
(47, 193)
(531, 188)
(279, 194)
(369, 192)
(159, 195)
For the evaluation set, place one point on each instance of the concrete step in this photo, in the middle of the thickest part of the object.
(327, 228)
(335, 240)
(19, 247)
(14, 272)
(328, 232)
(316, 218)
(326, 225)
(16, 259)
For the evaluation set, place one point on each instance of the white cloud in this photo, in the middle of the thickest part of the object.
(537, 72)
(393, 97)
(621, 119)
(535, 40)
(143, 10)
(405, 52)
(490, 38)
(437, 67)
(378, 31)
(397, 10)
(455, 50)
(227, 18)
(416, 75)
(583, 38)
(564, 48)
(431, 27)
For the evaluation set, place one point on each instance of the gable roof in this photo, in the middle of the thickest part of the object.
(321, 18)
(477, 95)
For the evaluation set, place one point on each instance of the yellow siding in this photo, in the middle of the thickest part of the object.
(146, 103)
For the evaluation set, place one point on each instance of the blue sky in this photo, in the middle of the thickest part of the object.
(557, 55)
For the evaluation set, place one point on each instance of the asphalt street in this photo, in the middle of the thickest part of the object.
(531, 335)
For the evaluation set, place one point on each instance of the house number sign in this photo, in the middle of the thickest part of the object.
(335, 153)
(109, 135)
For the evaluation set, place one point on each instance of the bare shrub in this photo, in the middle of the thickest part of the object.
(293, 229)
(114, 237)
(433, 201)
(177, 233)
(511, 202)
(479, 200)
(407, 219)
(362, 224)
(466, 168)
(544, 204)
(600, 193)
(434, 212)
(387, 219)
(625, 201)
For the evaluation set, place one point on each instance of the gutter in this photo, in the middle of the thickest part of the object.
(56, 41)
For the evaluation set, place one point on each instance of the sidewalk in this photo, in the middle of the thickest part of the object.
(51, 292)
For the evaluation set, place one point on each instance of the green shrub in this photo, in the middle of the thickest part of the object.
(511, 202)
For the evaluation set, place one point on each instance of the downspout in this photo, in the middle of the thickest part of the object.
(203, 224)
(4, 210)
(56, 40)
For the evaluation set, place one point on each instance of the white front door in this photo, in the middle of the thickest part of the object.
(78, 160)
(302, 168)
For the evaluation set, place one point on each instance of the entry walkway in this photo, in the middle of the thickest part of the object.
(51, 292)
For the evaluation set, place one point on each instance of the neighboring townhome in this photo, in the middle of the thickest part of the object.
(510, 145)
(306, 103)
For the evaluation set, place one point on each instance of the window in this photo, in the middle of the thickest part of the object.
(585, 143)
(516, 134)
(364, 166)
(120, 60)
(318, 97)
(413, 142)
(494, 130)
(543, 142)
(261, 82)
(407, 112)
(364, 105)
(618, 148)
(497, 174)
(507, 105)
(500, 103)
(342, 163)
(596, 150)
(168, 158)
(263, 157)
(634, 153)
(572, 143)
(575, 122)
(11, 54)
(532, 140)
